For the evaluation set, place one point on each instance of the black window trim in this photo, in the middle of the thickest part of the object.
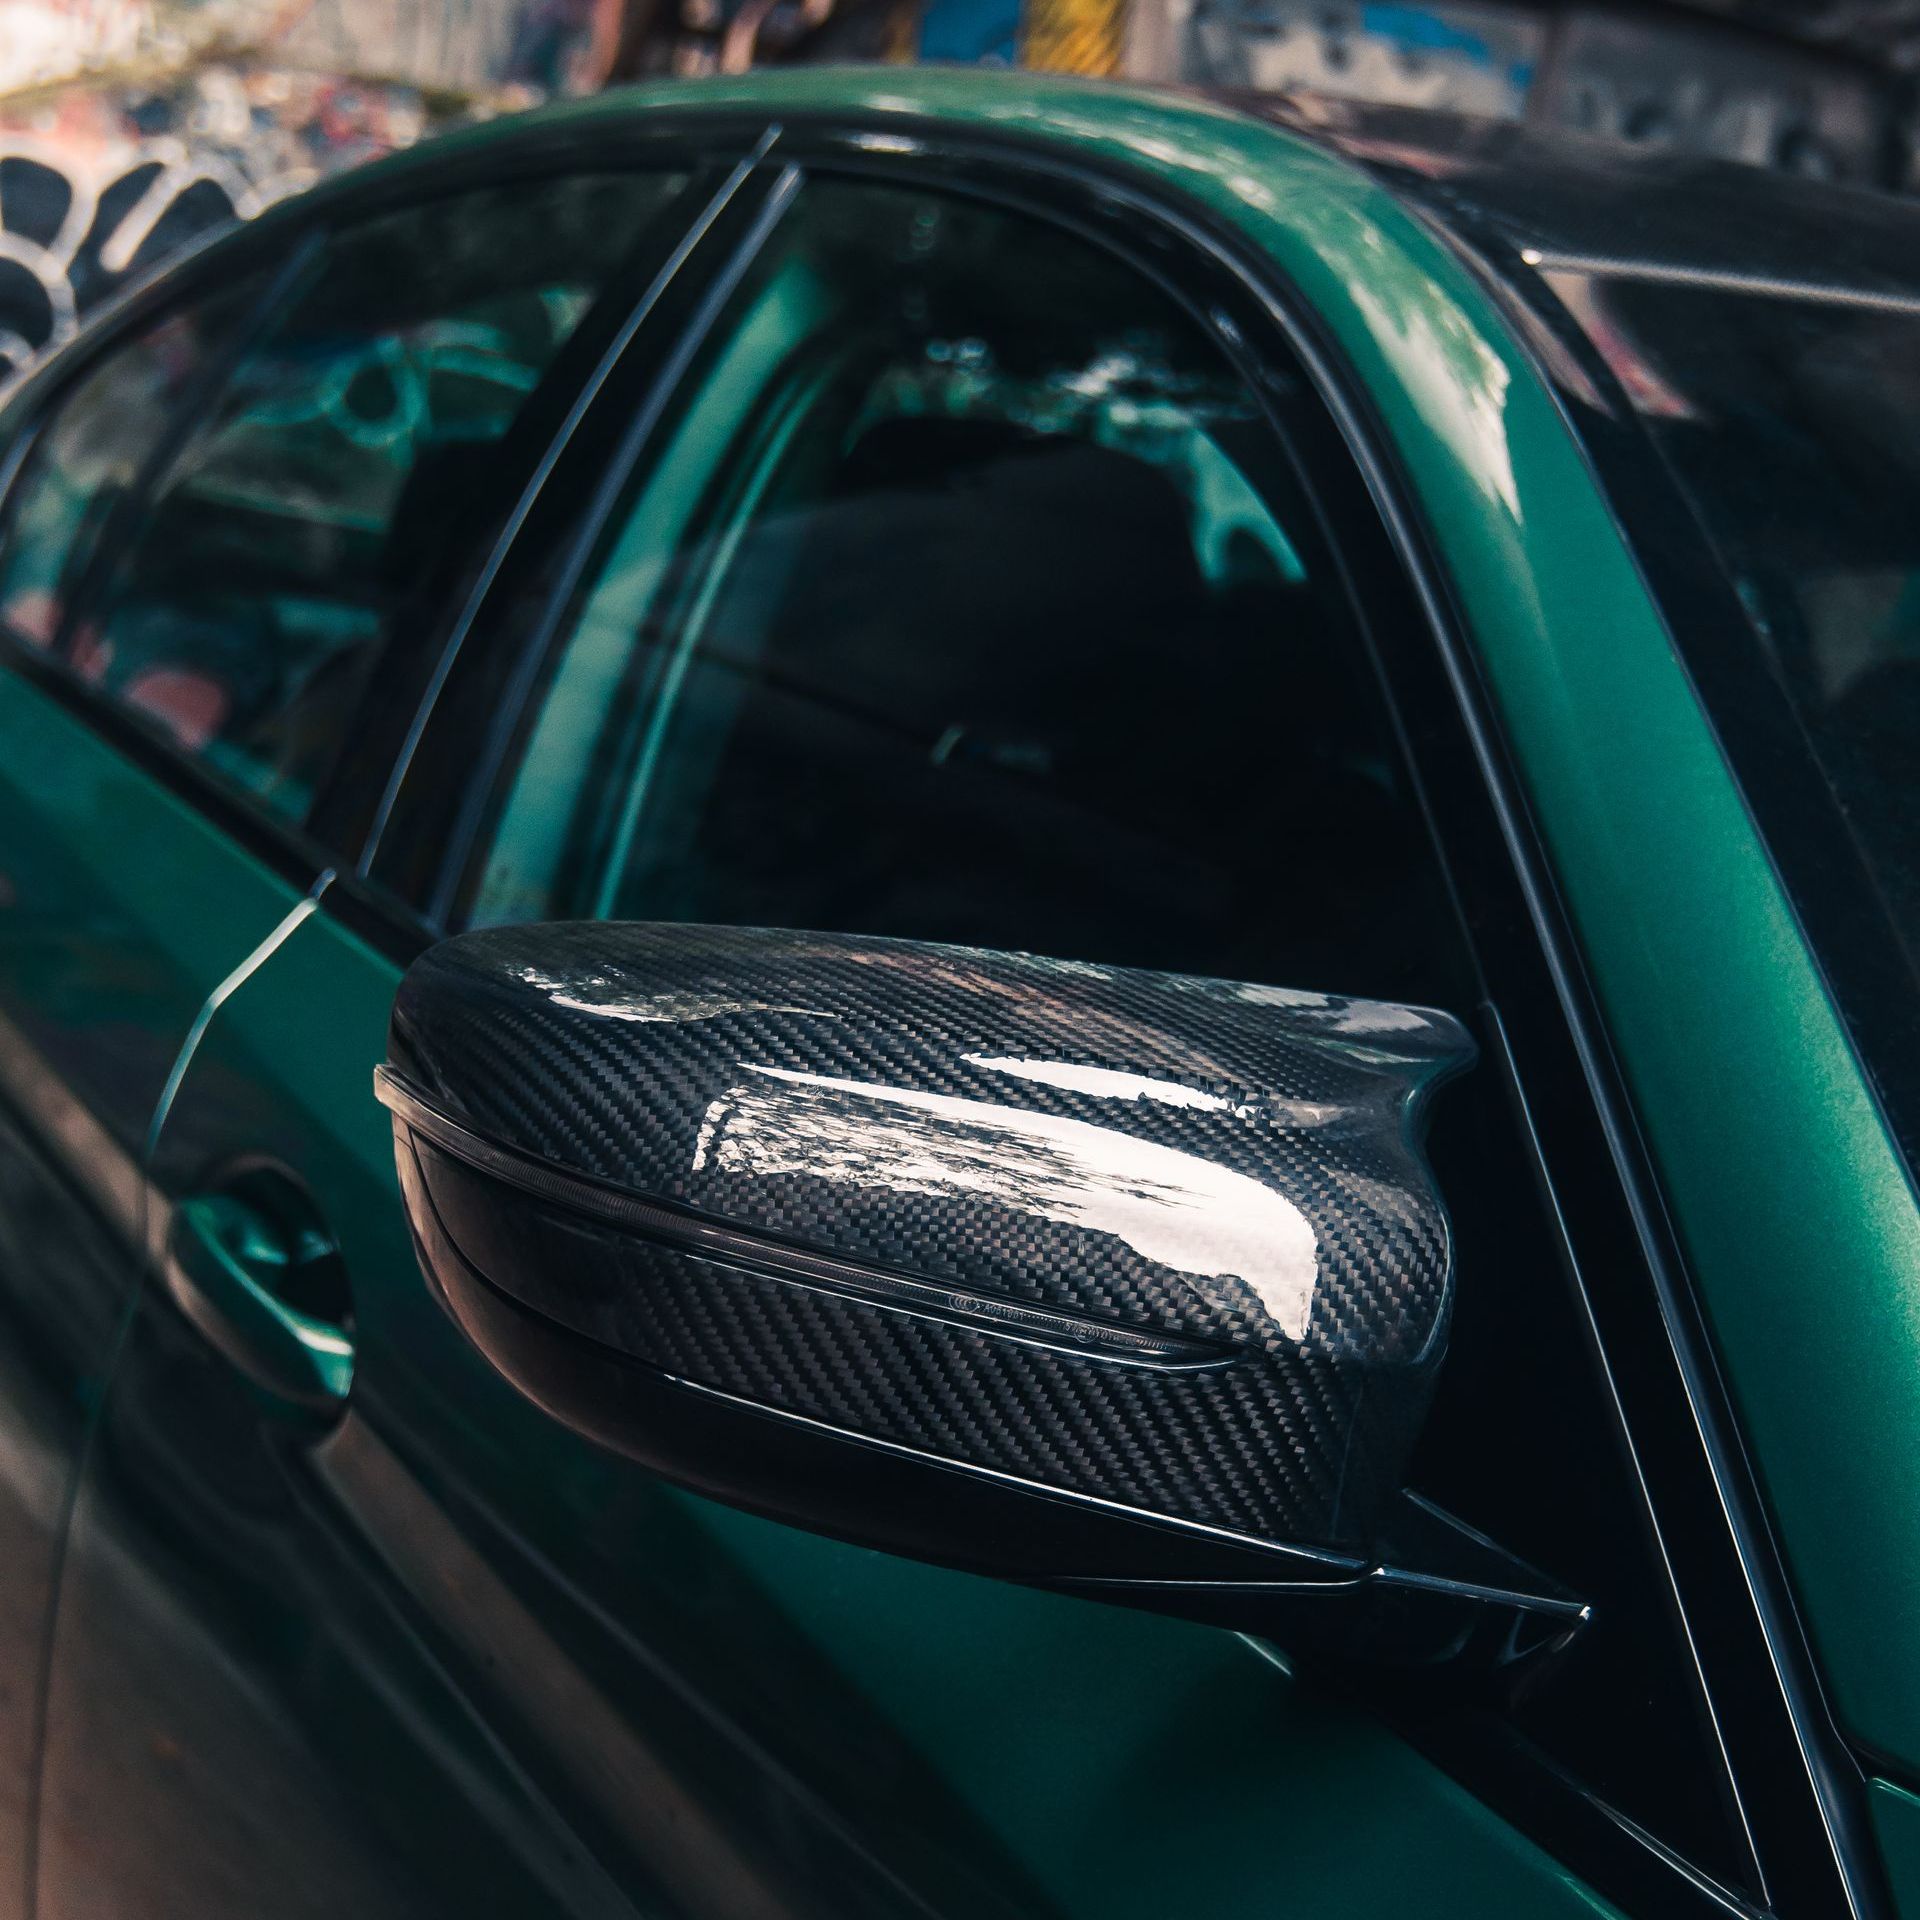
(1802, 1788)
(707, 202)
(459, 738)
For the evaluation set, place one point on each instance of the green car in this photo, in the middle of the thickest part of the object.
(927, 993)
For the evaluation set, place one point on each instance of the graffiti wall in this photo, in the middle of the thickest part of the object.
(131, 128)
(98, 182)
(1666, 79)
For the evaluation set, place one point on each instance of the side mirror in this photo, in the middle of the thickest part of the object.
(1120, 1283)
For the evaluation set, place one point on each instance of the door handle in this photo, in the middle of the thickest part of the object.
(249, 1281)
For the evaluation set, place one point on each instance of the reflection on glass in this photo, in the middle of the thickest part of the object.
(90, 456)
(348, 471)
(966, 597)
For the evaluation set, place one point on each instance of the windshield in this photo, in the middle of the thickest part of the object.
(1788, 415)
(1757, 430)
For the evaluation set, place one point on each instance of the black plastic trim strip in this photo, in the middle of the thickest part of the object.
(690, 239)
(379, 920)
(761, 217)
(1335, 1570)
(690, 1232)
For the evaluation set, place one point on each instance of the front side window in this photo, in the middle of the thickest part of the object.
(346, 472)
(969, 601)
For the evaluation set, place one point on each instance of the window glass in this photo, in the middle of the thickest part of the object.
(90, 454)
(347, 472)
(966, 601)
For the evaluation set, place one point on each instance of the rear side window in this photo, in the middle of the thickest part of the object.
(347, 471)
(92, 454)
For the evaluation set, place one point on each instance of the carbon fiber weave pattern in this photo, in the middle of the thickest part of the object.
(1234, 1164)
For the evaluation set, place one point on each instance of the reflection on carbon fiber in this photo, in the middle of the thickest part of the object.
(953, 1142)
(1169, 1206)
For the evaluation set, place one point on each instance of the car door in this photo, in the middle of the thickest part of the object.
(961, 579)
(203, 675)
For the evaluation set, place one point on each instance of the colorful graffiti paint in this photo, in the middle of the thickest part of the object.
(98, 184)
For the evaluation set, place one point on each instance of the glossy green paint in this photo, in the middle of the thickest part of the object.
(1790, 1199)
(110, 938)
(1896, 1823)
(108, 944)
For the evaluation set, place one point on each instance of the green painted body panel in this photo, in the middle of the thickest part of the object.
(107, 945)
(107, 948)
(1791, 1200)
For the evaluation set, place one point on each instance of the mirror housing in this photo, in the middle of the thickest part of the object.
(1121, 1283)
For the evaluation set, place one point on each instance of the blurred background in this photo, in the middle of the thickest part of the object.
(128, 127)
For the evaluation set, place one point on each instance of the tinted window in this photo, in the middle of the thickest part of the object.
(968, 600)
(348, 471)
(90, 455)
